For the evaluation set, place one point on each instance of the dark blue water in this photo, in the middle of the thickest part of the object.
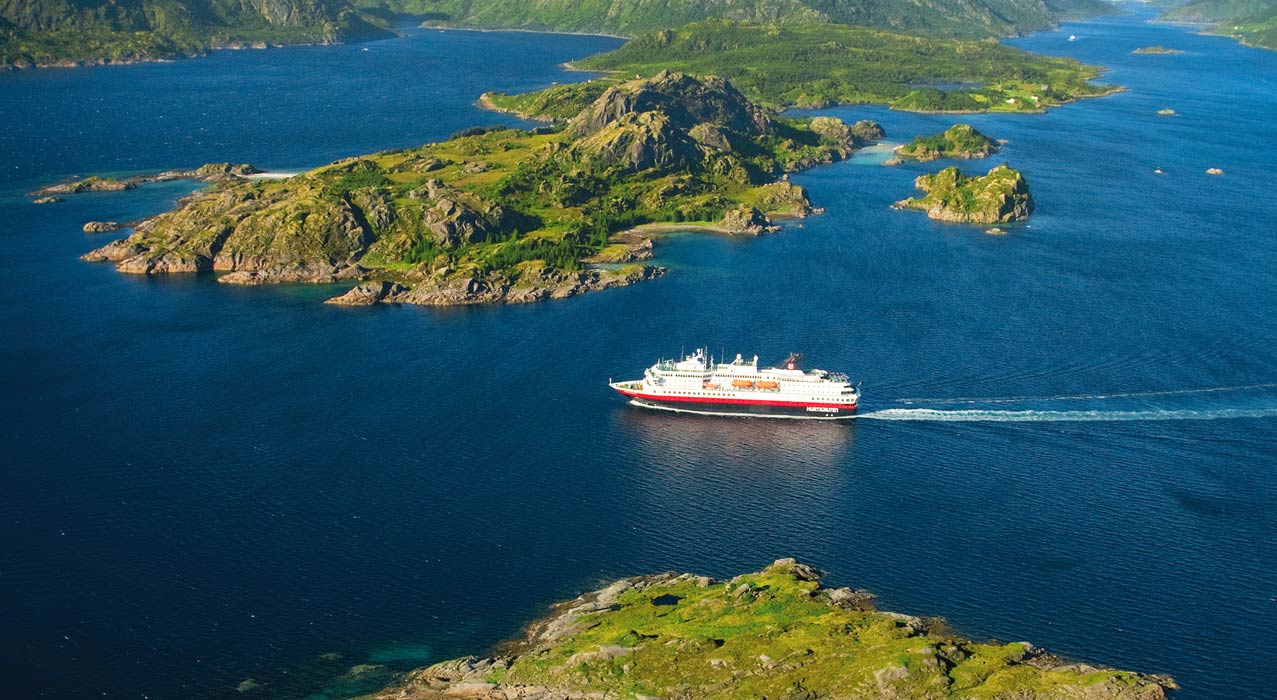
(204, 484)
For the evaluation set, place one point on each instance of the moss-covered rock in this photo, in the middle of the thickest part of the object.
(777, 633)
(1001, 195)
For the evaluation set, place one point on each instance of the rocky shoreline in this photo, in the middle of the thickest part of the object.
(778, 633)
(209, 172)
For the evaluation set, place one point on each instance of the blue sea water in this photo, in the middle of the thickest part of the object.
(1069, 432)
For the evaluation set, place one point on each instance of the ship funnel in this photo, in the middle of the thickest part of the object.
(793, 360)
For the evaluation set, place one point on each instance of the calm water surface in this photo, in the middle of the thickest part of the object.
(1070, 432)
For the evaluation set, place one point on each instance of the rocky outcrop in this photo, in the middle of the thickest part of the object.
(101, 226)
(777, 633)
(687, 101)
(1002, 195)
(88, 184)
(748, 221)
(209, 172)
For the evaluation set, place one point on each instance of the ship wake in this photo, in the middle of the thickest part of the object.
(1030, 416)
(1215, 403)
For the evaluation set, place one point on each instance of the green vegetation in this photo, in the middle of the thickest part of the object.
(820, 65)
(1001, 195)
(951, 18)
(773, 634)
(513, 209)
(958, 141)
(51, 32)
(1155, 51)
(1252, 22)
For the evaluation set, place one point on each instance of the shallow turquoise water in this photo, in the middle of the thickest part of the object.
(207, 484)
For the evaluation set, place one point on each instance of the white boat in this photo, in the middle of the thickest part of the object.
(697, 384)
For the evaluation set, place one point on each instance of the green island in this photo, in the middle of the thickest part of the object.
(956, 18)
(507, 215)
(958, 141)
(1001, 195)
(1157, 50)
(821, 65)
(37, 33)
(1252, 22)
(778, 633)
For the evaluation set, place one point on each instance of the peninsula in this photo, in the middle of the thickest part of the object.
(1252, 22)
(958, 141)
(36, 33)
(818, 65)
(506, 215)
(1001, 195)
(777, 633)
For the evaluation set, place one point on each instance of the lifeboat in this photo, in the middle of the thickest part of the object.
(710, 385)
(767, 384)
(742, 383)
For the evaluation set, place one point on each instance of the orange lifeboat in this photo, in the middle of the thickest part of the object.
(742, 383)
(768, 384)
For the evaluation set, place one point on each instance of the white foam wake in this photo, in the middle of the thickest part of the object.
(978, 415)
(1085, 397)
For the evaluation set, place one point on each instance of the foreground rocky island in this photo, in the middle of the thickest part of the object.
(999, 196)
(506, 215)
(775, 634)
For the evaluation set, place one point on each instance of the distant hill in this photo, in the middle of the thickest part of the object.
(942, 18)
(46, 32)
(1252, 22)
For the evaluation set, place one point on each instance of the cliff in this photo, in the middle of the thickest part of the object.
(1001, 195)
(777, 633)
(504, 215)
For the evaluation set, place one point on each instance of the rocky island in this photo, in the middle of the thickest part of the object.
(1001, 195)
(505, 215)
(1156, 51)
(778, 633)
(958, 141)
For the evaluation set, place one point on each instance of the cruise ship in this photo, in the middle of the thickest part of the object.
(697, 384)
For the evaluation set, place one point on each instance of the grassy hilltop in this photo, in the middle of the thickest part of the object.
(773, 634)
(49, 32)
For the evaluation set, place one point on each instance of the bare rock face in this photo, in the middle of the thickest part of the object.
(101, 226)
(747, 221)
(687, 100)
(369, 293)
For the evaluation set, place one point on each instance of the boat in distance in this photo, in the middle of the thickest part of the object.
(698, 384)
